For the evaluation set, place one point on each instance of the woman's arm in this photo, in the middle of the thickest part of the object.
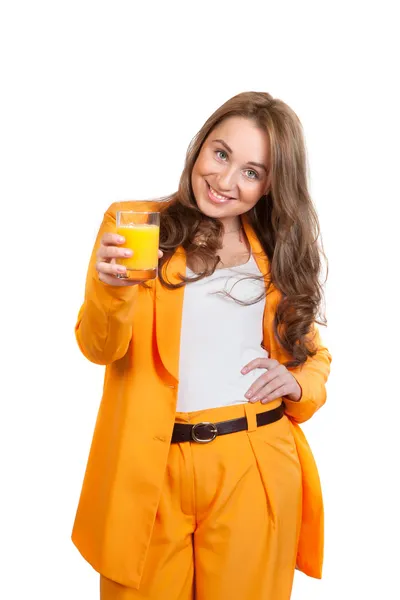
(104, 326)
(311, 376)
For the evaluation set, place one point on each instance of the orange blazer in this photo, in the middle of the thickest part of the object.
(135, 332)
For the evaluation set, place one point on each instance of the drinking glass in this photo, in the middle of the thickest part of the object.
(141, 231)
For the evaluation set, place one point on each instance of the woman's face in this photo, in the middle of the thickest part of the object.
(226, 180)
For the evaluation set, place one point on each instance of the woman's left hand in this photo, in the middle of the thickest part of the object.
(275, 383)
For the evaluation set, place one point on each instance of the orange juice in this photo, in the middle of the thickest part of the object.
(143, 239)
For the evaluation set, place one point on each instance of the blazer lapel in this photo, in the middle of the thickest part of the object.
(168, 307)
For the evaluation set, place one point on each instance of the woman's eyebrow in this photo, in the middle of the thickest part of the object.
(224, 144)
(250, 162)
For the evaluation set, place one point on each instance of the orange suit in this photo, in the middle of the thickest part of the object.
(135, 332)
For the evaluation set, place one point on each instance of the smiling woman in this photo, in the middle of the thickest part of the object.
(249, 162)
(200, 482)
(227, 175)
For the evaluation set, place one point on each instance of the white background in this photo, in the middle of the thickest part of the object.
(99, 101)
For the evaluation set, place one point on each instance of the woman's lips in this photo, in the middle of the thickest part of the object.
(217, 199)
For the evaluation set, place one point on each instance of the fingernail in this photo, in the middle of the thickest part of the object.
(121, 239)
(248, 395)
(244, 370)
(128, 252)
(121, 269)
(254, 399)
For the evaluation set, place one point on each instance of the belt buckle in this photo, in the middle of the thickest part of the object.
(212, 430)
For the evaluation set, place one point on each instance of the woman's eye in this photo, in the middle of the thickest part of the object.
(253, 174)
(221, 152)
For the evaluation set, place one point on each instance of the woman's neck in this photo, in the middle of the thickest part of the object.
(231, 224)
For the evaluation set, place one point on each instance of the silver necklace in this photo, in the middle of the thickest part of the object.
(240, 230)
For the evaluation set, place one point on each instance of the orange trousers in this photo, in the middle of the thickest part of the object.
(229, 516)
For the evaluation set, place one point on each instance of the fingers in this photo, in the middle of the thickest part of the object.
(107, 255)
(109, 252)
(274, 384)
(266, 382)
(260, 363)
(109, 249)
(269, 392)
(114, 252)
(278, 393)
(112, 239)
(105, 268)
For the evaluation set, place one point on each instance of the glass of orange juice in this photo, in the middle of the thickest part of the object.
(141, 231)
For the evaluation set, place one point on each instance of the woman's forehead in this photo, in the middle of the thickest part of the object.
(243, 137)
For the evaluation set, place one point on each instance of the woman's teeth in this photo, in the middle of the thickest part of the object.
(215, 196)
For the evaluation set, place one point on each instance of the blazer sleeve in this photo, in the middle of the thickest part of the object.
(311, 376)
(104, 326)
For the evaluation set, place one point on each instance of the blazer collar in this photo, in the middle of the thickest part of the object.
(168, 308)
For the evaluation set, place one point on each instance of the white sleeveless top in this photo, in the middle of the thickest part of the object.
(219, 337)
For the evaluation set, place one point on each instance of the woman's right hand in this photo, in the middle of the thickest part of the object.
(106, 265)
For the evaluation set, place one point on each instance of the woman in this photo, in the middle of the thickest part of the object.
(200, 482)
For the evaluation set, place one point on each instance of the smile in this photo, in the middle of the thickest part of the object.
(216, 197)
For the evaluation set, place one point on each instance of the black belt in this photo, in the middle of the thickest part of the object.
(205, 432)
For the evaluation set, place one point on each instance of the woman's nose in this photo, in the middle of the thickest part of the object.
(227, 181)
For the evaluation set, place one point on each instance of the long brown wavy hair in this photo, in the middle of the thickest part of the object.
(284, 220)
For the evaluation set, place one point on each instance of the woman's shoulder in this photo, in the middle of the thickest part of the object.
(136, 205)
